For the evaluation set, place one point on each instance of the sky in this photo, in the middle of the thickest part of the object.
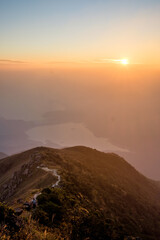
(77, 31)
(82, 73)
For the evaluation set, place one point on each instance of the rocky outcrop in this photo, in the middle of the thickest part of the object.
(18, 211)
(26, 171)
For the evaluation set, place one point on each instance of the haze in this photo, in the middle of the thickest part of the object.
(63, 81)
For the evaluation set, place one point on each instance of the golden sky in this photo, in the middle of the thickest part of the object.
(82, 32)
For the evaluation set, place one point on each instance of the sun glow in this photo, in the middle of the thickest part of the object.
(124, 61)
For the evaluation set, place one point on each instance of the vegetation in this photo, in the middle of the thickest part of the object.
(74, 215)
(100, 196)
(21, 228)
(8, 220)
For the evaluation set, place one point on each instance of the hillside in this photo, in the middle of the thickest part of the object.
(99, 195)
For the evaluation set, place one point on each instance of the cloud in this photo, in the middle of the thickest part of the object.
(8, 61)
(109, 60)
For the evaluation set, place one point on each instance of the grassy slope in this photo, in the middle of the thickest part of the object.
(36, 179)
(106, 180)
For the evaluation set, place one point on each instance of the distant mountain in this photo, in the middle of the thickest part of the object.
(2, 155)
(100, 195)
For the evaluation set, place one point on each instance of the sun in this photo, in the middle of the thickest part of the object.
(124, 61)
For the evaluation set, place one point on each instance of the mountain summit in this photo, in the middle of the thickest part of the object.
(95, 195)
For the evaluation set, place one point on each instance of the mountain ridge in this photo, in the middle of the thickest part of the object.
(110, 184)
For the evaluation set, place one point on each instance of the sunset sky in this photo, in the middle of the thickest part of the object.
(82, 73)
(79, 31)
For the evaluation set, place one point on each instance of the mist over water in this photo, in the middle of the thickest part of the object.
(71, 134)
(60, 108)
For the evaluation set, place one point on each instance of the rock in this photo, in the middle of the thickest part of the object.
(18, 211)
(20, 200)
(26, 171)
(5, 186)
(42, 165)
(14, 187)
(27, 206)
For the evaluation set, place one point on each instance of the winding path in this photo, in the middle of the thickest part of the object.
(54, 173)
